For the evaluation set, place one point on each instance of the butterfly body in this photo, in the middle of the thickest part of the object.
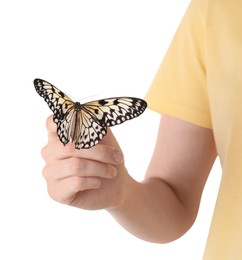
(86, 124)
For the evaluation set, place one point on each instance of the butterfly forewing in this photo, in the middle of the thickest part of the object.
(58, 102)
(86, 124)
(113, 111)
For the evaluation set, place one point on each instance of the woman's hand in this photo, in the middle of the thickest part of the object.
(88, 178)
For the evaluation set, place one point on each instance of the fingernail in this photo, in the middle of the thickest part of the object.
(118, 156)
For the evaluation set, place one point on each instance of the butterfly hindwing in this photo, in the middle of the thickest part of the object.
(65, 126)
(91, 132)
(86, 124)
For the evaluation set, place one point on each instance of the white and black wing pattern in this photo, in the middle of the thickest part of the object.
(58, 102)
(114, 111)
(86, 124)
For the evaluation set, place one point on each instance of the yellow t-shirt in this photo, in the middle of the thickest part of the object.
(200, 81)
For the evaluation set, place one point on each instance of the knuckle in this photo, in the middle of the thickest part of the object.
(68, 149)
(52, 193)
(75, 184)
(103, 153)
(49, 122)
(45, 172)
(74, 165)
(43, 152)
(51, 127)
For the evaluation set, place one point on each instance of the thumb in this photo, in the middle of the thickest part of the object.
(110, 140)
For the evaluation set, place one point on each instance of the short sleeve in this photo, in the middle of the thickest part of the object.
(180, 87)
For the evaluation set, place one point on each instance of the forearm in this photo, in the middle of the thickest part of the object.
(165, 205)
(151, 211)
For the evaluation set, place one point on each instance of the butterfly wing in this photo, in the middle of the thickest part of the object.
(113, 111)
(90, 132)
(96, 116)
(87, 124)
(60, 104)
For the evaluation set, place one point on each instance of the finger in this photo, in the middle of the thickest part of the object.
(110, 140)
(78, 167)
(110, 152)
(66, 190)
(101, 152)
(51, 128)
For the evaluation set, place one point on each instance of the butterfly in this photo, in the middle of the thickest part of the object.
(86, 124)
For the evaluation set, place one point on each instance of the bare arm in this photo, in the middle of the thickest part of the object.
(164, 206)
(159, 209)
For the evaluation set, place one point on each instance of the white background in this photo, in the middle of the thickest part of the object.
(101, 48)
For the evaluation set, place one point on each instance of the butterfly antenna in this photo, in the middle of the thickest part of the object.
(89, 98)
